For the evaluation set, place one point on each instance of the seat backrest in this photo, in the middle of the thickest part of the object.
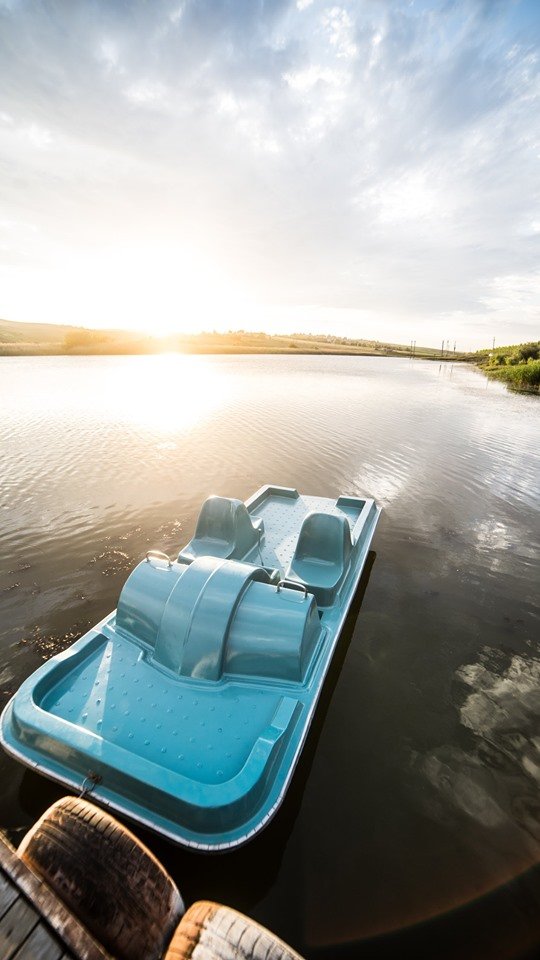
(216, 519)
(324, 536)
(226, 519)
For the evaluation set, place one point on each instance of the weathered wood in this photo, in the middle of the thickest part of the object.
(210, 931)
(40, 945)
(78, 942)
(110, 881)
(15, 926)
(8, 893)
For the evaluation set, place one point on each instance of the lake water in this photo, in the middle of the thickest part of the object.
(413, 819)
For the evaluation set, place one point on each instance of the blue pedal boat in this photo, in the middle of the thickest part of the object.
(187, 708)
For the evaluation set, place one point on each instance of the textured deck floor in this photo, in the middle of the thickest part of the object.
(283, 518)
(122, 698)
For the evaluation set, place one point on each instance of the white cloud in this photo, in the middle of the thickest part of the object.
(109, 54)
(513, 295)
(176, 13)
(304, 80)
(247, 121)
(372, 163)
(340, 29)
(228, 104)
(38, 136)
(410, 198)
(146, 92)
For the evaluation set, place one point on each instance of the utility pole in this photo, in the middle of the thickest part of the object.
(454, 349)
(442, 350)
(493, 347)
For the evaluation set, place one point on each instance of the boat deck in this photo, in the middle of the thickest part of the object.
(283, 513)
(122, 698)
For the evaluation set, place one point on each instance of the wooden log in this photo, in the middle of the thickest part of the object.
(210, 931)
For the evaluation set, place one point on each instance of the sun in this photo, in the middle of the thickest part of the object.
(152, 288)
(165, 290)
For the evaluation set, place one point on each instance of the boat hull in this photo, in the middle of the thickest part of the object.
(199, 740)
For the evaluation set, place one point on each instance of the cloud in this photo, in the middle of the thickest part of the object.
(378, 159)
(146, 91)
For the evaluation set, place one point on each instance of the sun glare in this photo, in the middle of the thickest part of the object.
(162, 291)
(155, 290)
(162, 394)
(169, 393)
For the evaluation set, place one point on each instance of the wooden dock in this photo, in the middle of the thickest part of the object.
(34, 923)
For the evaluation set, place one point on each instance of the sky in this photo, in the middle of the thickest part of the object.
(369, 169)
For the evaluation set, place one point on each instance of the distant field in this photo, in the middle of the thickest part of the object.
(518, 366)
(26, 339)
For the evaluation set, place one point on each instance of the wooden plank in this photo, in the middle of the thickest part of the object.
(40, 945)
(8, 893)
(77, 941)
(15, 926)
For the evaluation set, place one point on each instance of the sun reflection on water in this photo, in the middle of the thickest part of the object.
(172, 393)
(165, 394)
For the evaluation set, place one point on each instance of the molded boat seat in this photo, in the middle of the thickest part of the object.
(214, 617)
(322, 556)
(224, 529)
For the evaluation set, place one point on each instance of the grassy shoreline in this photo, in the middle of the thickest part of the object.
(48, 340)
(517, 366)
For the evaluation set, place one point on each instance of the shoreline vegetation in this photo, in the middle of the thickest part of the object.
(518, 366)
